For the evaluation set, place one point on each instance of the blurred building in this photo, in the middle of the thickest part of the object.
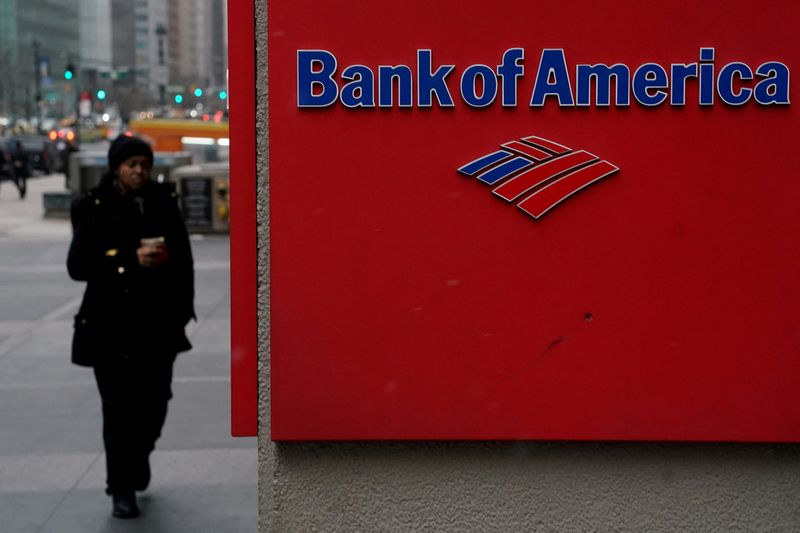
(219, 43)
(139, 52)
(197, 44)
(38, 39)
(95, 64)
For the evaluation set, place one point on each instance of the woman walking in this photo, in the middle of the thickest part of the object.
(131, 247)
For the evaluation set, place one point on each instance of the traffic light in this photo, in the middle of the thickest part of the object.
(101, 95)
(178, 98)
(69, 72)
(223, 95)
(198, 92)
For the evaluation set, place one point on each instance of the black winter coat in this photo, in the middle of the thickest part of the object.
(129, 310)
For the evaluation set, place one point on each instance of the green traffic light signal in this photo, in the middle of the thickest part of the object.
(68, 75)
(223, 95)
(198, 92)
(178, 98)
(101, 94)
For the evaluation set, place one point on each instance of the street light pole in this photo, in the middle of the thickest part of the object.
(37, 83)
(161, 31)
(76, 76)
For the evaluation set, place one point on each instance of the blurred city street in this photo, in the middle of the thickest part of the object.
(52, 470)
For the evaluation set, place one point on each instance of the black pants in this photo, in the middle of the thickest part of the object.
(20, 181)
(135, 392)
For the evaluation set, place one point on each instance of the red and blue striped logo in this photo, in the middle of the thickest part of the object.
(536, 173)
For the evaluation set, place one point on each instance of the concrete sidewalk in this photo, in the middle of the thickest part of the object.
(52, 471)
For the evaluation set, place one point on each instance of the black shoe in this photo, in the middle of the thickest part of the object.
(124, 505)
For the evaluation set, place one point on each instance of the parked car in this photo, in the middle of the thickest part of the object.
(42, 153)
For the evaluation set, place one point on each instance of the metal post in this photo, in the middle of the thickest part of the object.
(161, 31)
(37, 83)
(76, 90)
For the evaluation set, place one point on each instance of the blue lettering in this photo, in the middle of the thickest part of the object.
(319, 83)
(553, 65)
(469, 89)
(706, 76)
(509, 71)
(725, 83)
(386, 75)
(680, 73)
(430, 83)
(359, 92)
(648, 77)
(315, 85)
(775, 88)
(602, 75)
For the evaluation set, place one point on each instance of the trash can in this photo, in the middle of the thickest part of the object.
(204, 196)
(85, 170)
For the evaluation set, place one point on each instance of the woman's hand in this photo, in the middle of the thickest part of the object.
(151, 256)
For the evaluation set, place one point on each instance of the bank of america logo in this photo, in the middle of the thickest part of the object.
(537, 173)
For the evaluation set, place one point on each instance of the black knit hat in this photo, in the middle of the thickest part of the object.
(125, 147)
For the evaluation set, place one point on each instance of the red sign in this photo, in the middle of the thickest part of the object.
(241, 63)
(541, 221)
